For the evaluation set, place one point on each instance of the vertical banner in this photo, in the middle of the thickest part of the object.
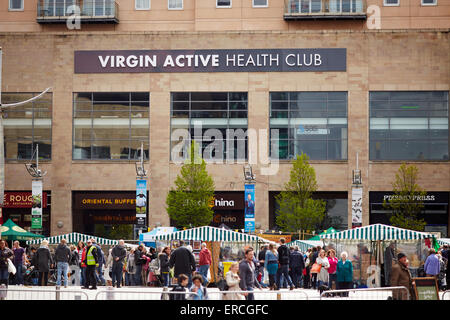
(249, 208)
(36, 208)
(357, 194)
(141, 202)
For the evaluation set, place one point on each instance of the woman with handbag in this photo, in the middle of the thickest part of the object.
(5, 256)
(232, 279)
(271, 264)
(322, 275)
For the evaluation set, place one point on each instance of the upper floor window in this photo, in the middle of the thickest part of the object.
(142, 5)
(16, 5)
(260, 3)
(175, 4)
(27, 125)
(429, 2)
(409, 125)
(391, 2)
(110, 125)
(223, 3)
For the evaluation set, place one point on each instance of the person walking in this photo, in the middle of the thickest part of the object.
(389, 259)
(331, 255)
(312, 260)
(5, 254)
(118, 254)
(183, 261)
(139, 261)
(19, 261)
(101, 261)
(130, 269)
(297, 264)
(247, 273)
(271, 265)
(164, 264)
(232, 278)
(62, 258)
(322, 276)
(74, 266)
(432, 265)
(283, 261)
(401, 277)
(344, 273)
(44, 262)
(91, 261)
(204, 263)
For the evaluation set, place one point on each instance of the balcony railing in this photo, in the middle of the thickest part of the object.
(324, 9)
(90, 11)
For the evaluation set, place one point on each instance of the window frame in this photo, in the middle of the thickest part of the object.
(224, 7)
(391, 4)
(175, 9)
(143, 9)
(13, 9)
(435, 3)
(260, 6)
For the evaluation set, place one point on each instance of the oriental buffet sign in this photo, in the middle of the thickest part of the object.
(221, 60)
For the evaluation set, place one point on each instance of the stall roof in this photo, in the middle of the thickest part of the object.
(208, 233)
(328, 231)
(74, 237)
(150, 236)
(11, 231)
(443, 241)
(378, 232)
(304, 245)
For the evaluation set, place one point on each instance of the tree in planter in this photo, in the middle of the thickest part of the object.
(189, 204)
(297, 210)
(407, 201)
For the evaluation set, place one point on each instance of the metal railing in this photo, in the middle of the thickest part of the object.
(85, 8)
(366, 294)
(111, 294)
(41, 294)
(324, 7)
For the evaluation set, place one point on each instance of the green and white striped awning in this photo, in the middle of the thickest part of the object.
(304, 245)
(378, 232)
(208, 233)
(443, 241)
(74, 237)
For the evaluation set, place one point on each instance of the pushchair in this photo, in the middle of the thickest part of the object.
(30, 276)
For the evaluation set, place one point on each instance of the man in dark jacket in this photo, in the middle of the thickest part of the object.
(401, 277)
(184, 262)
(139, 261)
(62, 258)
(297, 265)
(247, 274)
(5, 254)
(91, 261)
(118, 254)
(283, 260)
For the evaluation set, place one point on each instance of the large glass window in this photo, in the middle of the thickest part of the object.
(314, 123)
(16, 5)
(110, 125)
(409, 125)
(218, 119)
(27, 125)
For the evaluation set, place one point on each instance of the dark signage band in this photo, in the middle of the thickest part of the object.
(221, 60)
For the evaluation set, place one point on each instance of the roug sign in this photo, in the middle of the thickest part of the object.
(220, 60)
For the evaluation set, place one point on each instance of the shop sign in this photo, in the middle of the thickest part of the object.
(218, 60)
(21, 200)
(275, 237)
(105, 201)
(36, 208)
(141, 202)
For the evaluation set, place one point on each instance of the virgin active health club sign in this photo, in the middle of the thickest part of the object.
(221, 60)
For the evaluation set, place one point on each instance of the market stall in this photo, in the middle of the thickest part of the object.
(318, 237)
(225, 245)
(74, 238)
(148, 238)
(11, 232)
(373, 248)
(304, 245)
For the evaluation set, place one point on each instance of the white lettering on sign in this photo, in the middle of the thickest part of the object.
(408, 197)
(300, 60)
(131, 61)
(223, 203)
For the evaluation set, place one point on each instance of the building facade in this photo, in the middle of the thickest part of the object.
(383, 97)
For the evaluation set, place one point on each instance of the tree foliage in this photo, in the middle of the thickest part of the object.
(407, 202)
(297, 210)
(189, 204)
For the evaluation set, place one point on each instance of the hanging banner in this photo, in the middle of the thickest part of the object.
(36, 207)
(141, 202)
(357, 195)
(249, 224)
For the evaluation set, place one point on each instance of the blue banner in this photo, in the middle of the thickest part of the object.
(141, 202)
(249, 208)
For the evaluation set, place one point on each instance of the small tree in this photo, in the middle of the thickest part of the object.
(297, 210)
(407, 202)
(189, 204)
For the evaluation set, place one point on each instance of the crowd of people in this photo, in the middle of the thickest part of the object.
(275, 267)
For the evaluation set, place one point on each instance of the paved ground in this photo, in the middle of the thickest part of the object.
(151, 293)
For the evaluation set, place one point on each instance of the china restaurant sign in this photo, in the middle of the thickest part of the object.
(223, 60)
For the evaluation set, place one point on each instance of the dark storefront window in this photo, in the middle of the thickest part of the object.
(27, 125)
(336, 210)
(314, 123)
(435, 213)
(409, 125)
(219, 119)
(110, 125)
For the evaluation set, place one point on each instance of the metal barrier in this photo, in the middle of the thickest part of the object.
(443, 295)
(41, 294)
(111, 294)
(363, 294)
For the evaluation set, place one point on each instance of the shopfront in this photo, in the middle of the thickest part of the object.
(17, 207)
(228, 209)
(435, 211)
(108, 214)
